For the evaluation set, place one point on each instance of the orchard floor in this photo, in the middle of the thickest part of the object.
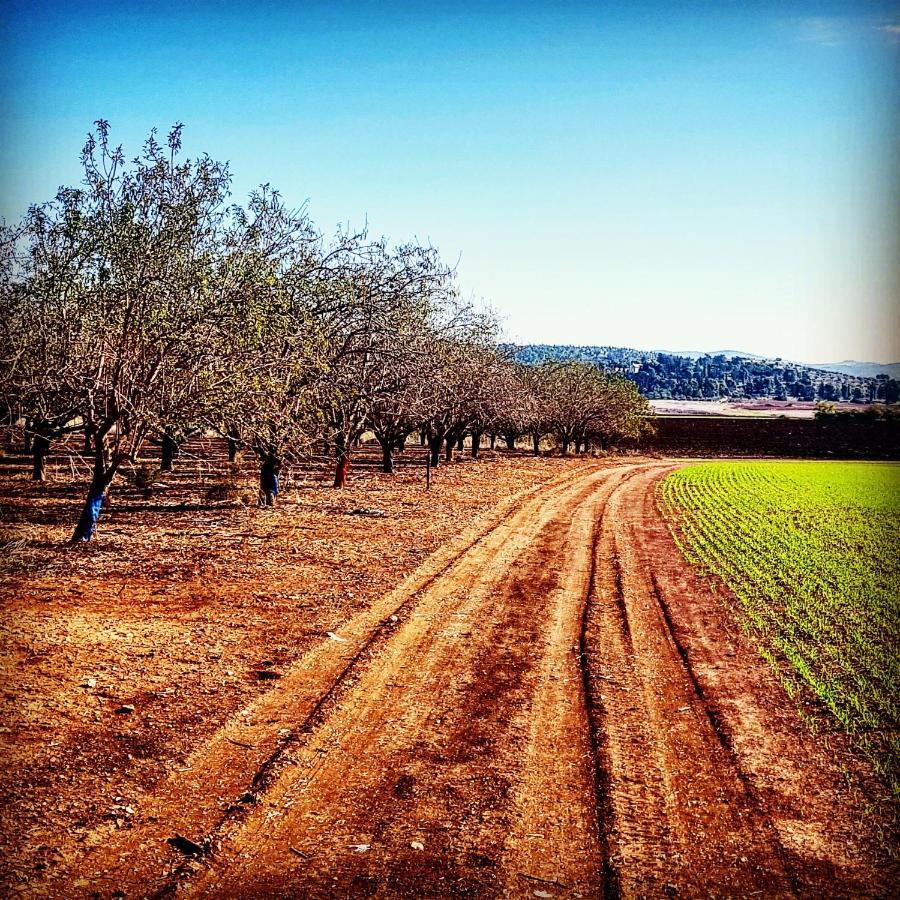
(509, 685)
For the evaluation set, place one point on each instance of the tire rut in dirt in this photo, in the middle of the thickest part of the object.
(714, 717)
(201, 798)
(677, 816)
(554, 837)
(330, 700)
(423, 746)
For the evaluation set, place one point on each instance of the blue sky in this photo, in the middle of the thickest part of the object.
(659, 175)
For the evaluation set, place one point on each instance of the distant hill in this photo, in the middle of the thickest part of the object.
(727, 374)
(861, 369)
(847, 367)
(696, 354)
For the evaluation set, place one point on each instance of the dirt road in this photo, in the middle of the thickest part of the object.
(553, 707)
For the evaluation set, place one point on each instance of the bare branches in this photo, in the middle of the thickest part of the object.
(144, 303)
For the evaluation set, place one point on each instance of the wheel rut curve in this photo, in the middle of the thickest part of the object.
(679, 815)
(454, 737)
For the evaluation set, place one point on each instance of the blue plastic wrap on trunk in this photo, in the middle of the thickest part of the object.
(89, 515)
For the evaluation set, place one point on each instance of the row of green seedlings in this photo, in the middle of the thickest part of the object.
(792, 599)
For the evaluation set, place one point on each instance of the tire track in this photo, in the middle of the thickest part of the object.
(629, 779)
(717, 725)
(678, 814)
(601, 767)
(450, 734)
(200, 799)
(268, 772)
(561, 749)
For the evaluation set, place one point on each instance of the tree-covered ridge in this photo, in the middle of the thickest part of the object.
(669, 376)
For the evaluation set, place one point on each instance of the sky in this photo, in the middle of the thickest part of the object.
(679, 176)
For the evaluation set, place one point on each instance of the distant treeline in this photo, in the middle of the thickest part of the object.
(667, 376)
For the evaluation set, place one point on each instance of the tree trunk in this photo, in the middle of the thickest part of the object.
(448, 451)
(341, 470)
(493, 441)
(423, 437)
(476, 443)
(510, 441)
(169, 449)
(268, 479)
(100, 482)
(535, 443)
(88, 445)
(40, 448)
(387, 456)
(87, 522)
(232, 450)
(434, 448)
(565, 446)
(461, 442)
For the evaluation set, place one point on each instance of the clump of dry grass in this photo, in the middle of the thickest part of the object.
(229, 491)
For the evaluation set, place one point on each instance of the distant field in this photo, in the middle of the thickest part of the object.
(809, 550)
(760, 409)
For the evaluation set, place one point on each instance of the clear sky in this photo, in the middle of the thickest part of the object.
(685, 176)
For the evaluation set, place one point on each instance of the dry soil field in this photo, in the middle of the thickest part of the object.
(512, 685)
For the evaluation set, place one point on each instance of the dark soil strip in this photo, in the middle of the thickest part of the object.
(596, 714)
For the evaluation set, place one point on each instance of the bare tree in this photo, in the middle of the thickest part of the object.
(41, 324)
(376, 306)
(577, 402)
(127, 275)
(515, 406)
(272, 360)
(460, 361)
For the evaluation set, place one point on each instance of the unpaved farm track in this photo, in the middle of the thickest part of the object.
(553, 707)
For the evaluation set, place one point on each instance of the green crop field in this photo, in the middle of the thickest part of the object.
(809, 551)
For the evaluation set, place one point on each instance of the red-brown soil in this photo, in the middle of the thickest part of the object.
(531, 694)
